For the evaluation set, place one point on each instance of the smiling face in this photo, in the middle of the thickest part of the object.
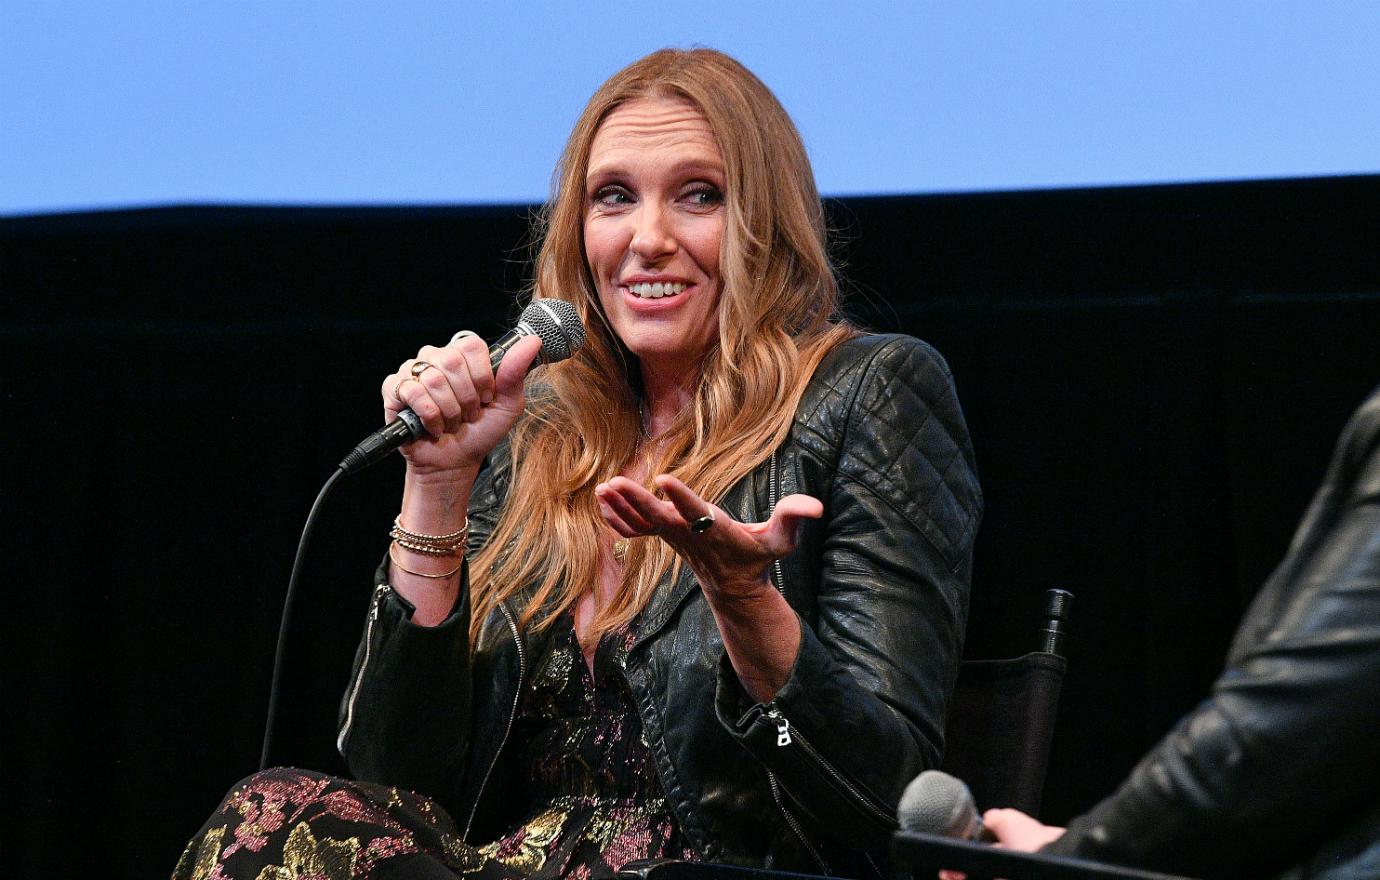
(654, 219)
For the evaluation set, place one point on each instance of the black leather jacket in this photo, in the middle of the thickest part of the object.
(807, 782)
(1279, 769)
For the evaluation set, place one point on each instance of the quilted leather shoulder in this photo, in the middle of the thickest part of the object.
(876, 406)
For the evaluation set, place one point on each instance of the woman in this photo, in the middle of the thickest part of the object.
(700, 591)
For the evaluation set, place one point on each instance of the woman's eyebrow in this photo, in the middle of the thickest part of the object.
(680, 169)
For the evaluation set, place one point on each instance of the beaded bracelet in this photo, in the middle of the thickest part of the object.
(425, 549)
(423, 574)
(457, 535)
(435, 545)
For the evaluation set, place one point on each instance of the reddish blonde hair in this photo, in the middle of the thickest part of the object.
(777, 318)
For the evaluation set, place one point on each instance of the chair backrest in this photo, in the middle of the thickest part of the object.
(1001, 717)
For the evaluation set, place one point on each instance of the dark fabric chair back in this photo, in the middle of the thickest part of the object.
(1000, 726)
(1001, 716)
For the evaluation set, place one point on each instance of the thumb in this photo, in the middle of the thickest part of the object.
(512, 370)
(787, 518)
(798, 507)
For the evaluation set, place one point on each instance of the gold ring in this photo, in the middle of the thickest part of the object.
(420, 367)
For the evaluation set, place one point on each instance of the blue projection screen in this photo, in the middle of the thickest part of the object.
(111, 104)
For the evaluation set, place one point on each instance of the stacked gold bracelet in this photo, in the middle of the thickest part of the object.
(428, 545)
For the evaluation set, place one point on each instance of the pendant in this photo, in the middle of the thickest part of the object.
(620, 550)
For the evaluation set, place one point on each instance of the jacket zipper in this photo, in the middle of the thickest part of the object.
(379, 592)
(784, 737)
(793, 824)
(517, 695)
(773, 495)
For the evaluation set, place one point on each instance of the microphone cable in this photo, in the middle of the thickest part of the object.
(558, 325)
(271, 722)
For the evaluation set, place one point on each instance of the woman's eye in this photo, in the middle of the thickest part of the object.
(611, 196)
(705, 197)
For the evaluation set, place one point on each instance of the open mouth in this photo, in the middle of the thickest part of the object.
(656, 290)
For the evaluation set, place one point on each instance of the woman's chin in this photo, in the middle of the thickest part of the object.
(666, 352)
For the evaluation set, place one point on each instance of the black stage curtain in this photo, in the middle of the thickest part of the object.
(1153, 377)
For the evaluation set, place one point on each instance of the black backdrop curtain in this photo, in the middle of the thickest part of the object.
(1153, 377)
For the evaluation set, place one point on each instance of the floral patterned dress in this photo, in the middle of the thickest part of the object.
(597, 800)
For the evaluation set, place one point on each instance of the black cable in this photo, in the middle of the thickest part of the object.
(272, 719)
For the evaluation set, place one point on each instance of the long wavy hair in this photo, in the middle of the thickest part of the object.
(777, 316)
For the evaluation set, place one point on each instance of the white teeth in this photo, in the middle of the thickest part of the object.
(658, 290)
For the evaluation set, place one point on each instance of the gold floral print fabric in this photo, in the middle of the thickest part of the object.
(595, 797)
(286, 824)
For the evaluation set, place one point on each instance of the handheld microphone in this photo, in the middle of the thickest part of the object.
(562, 334)
(940, 804)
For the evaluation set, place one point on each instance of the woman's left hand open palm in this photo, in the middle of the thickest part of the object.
(731, 559)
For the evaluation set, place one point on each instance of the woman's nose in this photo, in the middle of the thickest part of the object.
(653, 238)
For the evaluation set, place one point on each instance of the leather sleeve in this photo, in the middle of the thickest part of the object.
(863, 710)
(1284, 752)
(404, 719)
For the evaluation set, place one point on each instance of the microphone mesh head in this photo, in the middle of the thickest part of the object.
(937, 803)
(558, 325)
